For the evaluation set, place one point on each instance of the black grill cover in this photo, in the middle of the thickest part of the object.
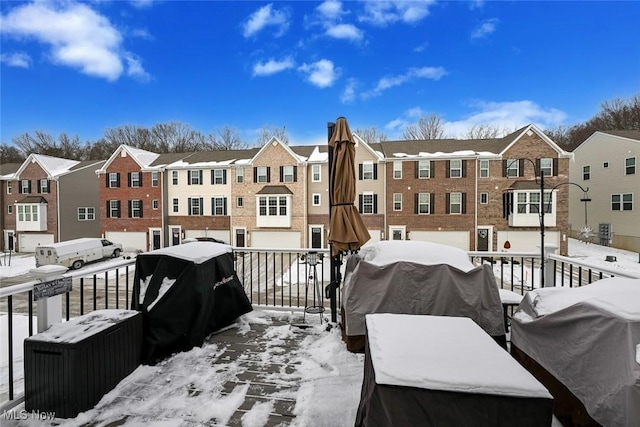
(188, 292)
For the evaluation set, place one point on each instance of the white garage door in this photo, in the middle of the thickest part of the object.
(527, 241)
(131, 241)
(458, 239)
(29, 242)
(275, 239)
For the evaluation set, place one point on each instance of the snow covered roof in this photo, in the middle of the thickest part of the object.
(53, 166)
(198, 252)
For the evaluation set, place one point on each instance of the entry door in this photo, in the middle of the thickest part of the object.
(8, 241)
(156, 239)
(240, 233)
(316, 237)
(483, 239)
(175, 236)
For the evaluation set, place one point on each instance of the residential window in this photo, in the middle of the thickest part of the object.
(546, 166)
(397, 169)
(484, 168)
(605, 165)
(218, 176)
(154, 204)
(25, 186)
(20, 212)
(367, 203)
(114, 209)
(315, 199)
(44, 186)
(424, 203)
(529, 203)
(114, 180)
(174, 177)
(176, 205)
(28, 213)
(455, 203)
(10, 209)
(218, 206)
(367, 170)
(455, 168)
(154, 179)
(484, 198)
(622, 202)
(547, 202)
(397, 201)
(287, 174)
(630, 166)
(239, 174)
(136, 208)
(315, 173)
(9, 187)
(272, 206)
(195, 206)
(586, 173)
(135, 179)
(512, 168)
(240, 202)
(424, 167)
(195, 177)
(261, 172)
(86, 214)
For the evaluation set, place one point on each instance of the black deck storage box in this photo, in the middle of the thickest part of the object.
(71, 365)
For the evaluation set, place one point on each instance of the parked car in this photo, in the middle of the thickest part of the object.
(203, 239)
(75, 253)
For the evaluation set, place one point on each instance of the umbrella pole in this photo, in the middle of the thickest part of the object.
(335, 266)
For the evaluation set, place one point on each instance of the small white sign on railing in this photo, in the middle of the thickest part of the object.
(52, 288)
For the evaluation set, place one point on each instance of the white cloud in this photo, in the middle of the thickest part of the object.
(330, 9)
(77, 36)
(486, 28)
(421, 47)
(349, 93)
(141, 4)
(476, 4)
(508, 116)
(321, 73)
(383, 13)
(433, 73)
(17, 59)
(135, 69)
(272, 67)
(344, 31)
(141, 33)
(264, 17)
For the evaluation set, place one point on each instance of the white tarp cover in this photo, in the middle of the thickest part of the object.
(587, 338)
(408, 277)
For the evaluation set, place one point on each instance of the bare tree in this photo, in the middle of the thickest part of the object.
(267, 132)
(176, 137)
(371, 134)
(10, 154)
(561, 135)
(44, 143)
(483, 132)
(427, 127)
(133, 136)
(227, 138)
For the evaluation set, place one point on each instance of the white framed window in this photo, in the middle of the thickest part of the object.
(622, 202)
(397, 169)
(28, 213)
(315, 199)
(529, 202)
(218, 206)
(424, 169)
(513, 168)
(630, 166)
(195, 177)
(176, 205)
(218, 176)
(262, 174)
(239, 174)
(455, 168)
(154, 204)
(195, 207)
(367, 170)
(20, 212)
(154, 179)
(455, 203)
(44, 186)
(397, 201)
(136, 208)
(272, 206)
(315, 173)
(9, 209)
(424, 203)
(484, 169)
(287, 174)
(282, 205)
(114, 208)
(9, 187)
(86, 214)
(546, 166)
(114, 180)
(25, 186)
(586, 173)
(174, 177)
(239, 202)
(135, 179)
(367, 203)
(484, 198)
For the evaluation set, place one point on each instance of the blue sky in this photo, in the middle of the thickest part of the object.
(81, 67)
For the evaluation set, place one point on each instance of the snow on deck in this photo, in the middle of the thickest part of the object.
(198, 252)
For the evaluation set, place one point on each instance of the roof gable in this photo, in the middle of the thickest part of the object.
(527, 131)
(53, 166)
(143, 158)
(272, 143)
(632, 136)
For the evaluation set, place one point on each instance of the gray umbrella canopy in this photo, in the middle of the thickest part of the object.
(347, 232)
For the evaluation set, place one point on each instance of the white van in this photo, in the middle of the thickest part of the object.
(75, 253)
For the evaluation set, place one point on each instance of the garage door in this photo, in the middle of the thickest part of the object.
(375, 237)
(130, 241)
(275, 239)
(527, 241)
(29, 242)
(458, 239)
